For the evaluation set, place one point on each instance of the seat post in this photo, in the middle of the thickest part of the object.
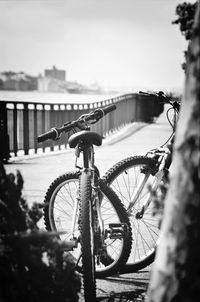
(86, 156)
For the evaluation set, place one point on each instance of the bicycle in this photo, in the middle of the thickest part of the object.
(85, 211)
(134, 179)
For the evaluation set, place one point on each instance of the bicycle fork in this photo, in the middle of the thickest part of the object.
(159, 175)
(137, 192)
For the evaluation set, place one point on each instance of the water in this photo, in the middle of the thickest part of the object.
(53, 97)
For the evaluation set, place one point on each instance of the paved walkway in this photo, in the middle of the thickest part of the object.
(39, 171)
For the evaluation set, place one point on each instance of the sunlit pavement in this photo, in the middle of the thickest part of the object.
(121, 288)
(39, 171)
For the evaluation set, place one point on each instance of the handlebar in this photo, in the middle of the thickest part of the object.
(51, 134)
(109, 109)
(163, 97)
(93, 116)
(175, 106)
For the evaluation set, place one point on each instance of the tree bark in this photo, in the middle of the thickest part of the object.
(175, 274)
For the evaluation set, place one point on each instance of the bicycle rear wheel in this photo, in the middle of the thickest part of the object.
(123, 179)
(60, 201)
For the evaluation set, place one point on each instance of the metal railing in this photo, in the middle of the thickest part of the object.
(22, 122)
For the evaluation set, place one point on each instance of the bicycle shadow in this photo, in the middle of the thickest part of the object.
(130, 296)
(120, 288)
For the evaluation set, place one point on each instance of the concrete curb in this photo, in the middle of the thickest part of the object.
(123, 133)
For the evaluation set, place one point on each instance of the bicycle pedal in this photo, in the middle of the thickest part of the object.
(70, 245)
(117, 230)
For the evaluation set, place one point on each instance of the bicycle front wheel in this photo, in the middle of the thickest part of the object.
(124, 178)
(86, 224)
(62, 203)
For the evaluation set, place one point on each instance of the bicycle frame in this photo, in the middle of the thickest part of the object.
(159, 176)
(163, 157)
(88, 164)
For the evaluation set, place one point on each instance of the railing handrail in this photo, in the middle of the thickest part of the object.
(115, 99)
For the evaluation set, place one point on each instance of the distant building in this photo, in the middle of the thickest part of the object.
(52, 81)
(55, 74)
(17, 81)
(46, 84)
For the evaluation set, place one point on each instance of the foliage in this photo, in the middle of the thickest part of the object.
(33, 265)
(186, 12)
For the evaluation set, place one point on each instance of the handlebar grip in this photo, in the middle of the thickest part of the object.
(52, 134)
(109, 108)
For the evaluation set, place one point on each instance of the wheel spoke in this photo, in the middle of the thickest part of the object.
(125, 178)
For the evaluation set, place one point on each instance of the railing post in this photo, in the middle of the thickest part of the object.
(26, 129)
(52, 119)
(4, 138)
(15, 141)
(43, 124)
(35, 131)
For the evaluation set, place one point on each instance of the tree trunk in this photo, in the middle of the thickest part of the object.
(175, 274)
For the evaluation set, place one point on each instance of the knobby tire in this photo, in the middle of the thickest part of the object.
(87, 237)
(122, 178)
(57, 217)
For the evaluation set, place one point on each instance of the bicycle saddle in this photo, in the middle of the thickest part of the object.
(87, 137)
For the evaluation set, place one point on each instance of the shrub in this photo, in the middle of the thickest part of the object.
(33, 264)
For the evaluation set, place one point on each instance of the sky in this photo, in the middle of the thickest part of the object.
(117, 43)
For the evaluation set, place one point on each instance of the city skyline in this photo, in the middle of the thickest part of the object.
(116, 43)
